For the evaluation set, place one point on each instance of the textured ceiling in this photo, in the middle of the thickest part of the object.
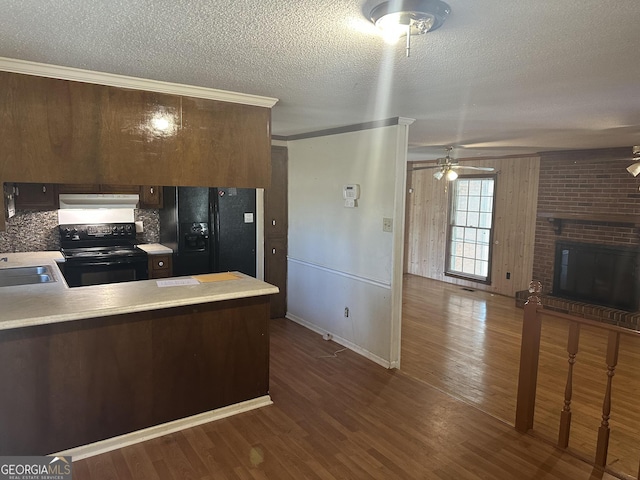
(499, 77)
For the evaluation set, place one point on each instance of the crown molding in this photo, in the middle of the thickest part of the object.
(387, 122)
(405, 120)
(112, 80)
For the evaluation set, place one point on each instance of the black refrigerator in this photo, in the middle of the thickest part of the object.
(210, 229)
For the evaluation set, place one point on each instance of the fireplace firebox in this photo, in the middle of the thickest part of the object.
(598, 274)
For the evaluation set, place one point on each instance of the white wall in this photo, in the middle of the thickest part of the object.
(340, 257)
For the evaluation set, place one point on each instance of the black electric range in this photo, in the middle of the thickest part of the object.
(101, 253)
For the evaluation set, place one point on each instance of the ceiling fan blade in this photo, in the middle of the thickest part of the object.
(426, 167)
(470, 167)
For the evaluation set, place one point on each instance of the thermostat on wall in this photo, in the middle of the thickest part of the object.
(351, 194)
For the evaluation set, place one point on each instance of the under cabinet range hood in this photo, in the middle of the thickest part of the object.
(89, 201)
(96, 208)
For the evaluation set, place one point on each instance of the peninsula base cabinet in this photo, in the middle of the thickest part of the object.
(70, 384)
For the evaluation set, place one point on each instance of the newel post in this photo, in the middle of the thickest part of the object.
(529, 353)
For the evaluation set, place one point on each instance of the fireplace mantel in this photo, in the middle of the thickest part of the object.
(556, 218)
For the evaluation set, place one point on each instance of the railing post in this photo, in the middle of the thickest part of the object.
(529, 353)
(604, 430)
(565, 415)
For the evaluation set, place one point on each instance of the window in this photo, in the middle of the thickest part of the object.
(471, 228)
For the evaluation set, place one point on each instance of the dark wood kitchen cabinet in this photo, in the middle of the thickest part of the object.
(78, 188)
(275, 272)
(120, 189)
(151, 196)
(63, 132)
(97, 188)
(74, 383)
(35, 196)
(160, 266)
(275, 230)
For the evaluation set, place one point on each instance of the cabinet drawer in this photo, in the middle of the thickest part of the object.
(160, 266)
(160, 262)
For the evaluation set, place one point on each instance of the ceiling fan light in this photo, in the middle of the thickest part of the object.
(451, 175)
(438, 175)
(396, 18)
(393, 26)
(634, 169)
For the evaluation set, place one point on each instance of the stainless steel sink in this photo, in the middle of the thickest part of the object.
(25, 276)
(12, 272)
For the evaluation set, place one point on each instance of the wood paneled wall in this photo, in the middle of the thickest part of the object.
(59, 131)
(515, 222)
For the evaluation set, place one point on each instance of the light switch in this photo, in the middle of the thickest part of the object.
(248, 217)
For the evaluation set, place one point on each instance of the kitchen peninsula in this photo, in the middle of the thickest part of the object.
(81, 365)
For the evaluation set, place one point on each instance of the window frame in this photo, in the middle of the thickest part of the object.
(452, 198)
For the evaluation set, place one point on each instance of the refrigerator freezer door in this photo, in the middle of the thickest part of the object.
(185, 229)
(235, 230)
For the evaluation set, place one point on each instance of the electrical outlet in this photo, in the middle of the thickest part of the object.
(346, 311)
(387, 225)
(508, 275)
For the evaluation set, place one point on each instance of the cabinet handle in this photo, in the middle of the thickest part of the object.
(44, 189)
(17, 191)
(273, 222)
(273, 251)
(151, 190)
(161, 263)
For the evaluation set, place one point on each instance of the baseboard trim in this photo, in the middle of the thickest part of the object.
(341, 341)
(114, 443)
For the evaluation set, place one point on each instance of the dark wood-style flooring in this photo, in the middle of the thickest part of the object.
(467, 343)
(343, 417)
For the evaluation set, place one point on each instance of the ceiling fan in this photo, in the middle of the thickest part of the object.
(634, 169)
(447, 167)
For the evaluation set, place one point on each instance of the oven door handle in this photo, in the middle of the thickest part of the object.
(107, 264)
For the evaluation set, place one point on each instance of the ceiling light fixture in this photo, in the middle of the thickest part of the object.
(635, 168)
(451, 175)
(447, 167)
(408, 17)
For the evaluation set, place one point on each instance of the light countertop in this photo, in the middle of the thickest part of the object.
(39, 304)
(154, 248)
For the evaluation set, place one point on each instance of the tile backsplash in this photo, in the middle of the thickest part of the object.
(34, 231)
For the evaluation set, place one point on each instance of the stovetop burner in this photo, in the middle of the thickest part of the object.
(99, 241)
(102, 252)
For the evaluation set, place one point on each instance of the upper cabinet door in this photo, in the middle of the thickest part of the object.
(78, 188)
(120, 189)
(75, 132)
(150, 196)
(35, 196)
(275, 197)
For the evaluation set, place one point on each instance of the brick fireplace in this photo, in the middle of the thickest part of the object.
(588, 197)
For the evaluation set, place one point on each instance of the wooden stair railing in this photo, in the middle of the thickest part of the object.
(529, 354)
(528, 375)
(565, 415)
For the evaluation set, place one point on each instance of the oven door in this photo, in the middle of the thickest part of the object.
(82, 274)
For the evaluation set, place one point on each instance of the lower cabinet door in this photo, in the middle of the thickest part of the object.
(275, 273)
